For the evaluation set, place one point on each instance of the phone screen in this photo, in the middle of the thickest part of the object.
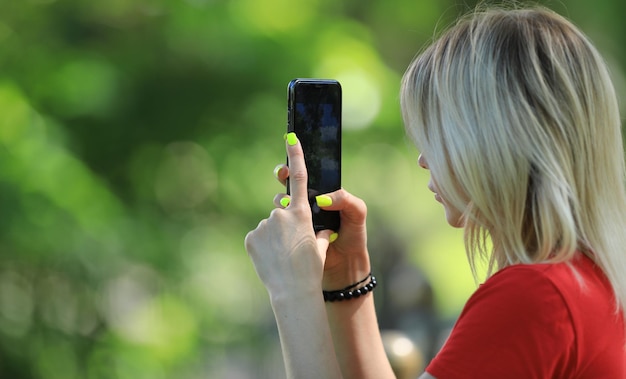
(315, 117)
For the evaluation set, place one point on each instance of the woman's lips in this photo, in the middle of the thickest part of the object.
(432, 189)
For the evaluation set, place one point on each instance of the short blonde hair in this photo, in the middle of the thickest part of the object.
(516, 115)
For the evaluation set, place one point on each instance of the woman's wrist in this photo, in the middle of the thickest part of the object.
(346, 273)
(293, 295)
(353, 291)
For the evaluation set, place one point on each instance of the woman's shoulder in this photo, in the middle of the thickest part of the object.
(572, 279)
(522, 287)
(564, 291)
(519, 316)
(537, 320)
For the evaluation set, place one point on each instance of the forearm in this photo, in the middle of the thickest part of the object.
(305, 338)
(355, 333)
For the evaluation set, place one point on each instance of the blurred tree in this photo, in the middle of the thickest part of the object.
(137, 140)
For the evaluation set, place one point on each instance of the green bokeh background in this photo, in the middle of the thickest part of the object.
(137, 143)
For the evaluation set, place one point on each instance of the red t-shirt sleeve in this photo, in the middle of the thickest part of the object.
(516, 325)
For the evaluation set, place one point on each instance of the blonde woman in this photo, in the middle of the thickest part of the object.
(515, 116)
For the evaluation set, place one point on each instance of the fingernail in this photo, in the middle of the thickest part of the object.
(285, 201)
(333, 237)
(277, 170)
(291, 138)
(323, 200)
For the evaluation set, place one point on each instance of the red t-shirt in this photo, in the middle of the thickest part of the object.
(537, 321)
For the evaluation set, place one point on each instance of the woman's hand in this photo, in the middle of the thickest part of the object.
(295, 265)
(287, 255)
(347, 259)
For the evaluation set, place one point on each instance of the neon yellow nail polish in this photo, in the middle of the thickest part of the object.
(285, 136)
(333, 237)
(323, 200)
(292, 139)
(285, 201)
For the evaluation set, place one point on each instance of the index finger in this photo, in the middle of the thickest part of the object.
(297, 171)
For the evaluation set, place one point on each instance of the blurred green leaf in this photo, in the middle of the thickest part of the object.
(137, 143)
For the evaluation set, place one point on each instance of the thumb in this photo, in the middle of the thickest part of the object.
(353, 209)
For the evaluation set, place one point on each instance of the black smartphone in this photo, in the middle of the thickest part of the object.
(314, 114)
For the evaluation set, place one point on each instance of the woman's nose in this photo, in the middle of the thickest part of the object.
(422, 162)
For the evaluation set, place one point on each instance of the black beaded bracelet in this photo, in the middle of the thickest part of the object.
(351, 293)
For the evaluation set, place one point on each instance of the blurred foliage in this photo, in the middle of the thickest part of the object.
(137, 142)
